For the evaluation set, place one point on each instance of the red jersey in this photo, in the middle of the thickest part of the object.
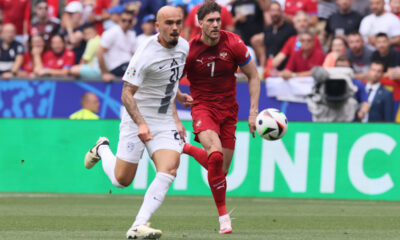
(308, 6)
(192, 22)
(293, 45)
(16, 12)
(299, 64)
(211, 70)
(66, 60)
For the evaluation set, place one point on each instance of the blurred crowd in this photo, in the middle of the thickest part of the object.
(287, 39)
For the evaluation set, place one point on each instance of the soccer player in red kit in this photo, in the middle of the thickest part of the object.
(213, 59)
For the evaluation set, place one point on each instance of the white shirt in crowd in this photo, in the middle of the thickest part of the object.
(386, 23)
(156, 70)
(371, 90)
(121, 46)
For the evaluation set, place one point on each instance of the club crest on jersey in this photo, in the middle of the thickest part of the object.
(223, 54)
(131, 72)
(198, 123)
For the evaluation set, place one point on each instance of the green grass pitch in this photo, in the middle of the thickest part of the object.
(56, 216)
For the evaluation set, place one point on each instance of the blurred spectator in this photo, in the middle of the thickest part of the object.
(344, 21)
(42, 23)
(325, 9)
(17, 13)
(301, 62)
(148, 27)
(73, 23)
(361, 6)
(359, 55)
(395, 7)
(339, 47)
(93, 11)
(380, 100)
(293, 44)
(141, 8)
(380, 21)
(58, 60)
(361, 94)
(33, 56)
(90, 106)
(384, 53)
(192, 26)
(271, 40)
(89, 65)
(115, 16)
(248, 18)
(189, 4)
(117, 46)
(308, 6)
(11, 52)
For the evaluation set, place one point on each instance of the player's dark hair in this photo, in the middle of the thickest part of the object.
(353, 33)
(89, 25)
(207, 8)
(381, 34)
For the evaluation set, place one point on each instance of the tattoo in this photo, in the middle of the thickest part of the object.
(129, 102)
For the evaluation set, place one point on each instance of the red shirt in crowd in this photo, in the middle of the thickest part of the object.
(65, 60)
(99, 6)
(299, 64)
(293, 45)
(192, 22)
(308, 6)
(16, 12)
(211, 70)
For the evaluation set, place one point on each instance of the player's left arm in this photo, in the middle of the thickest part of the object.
(250, 70)
(183, 98)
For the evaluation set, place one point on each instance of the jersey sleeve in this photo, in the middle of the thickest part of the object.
(135, 72)
(241, 53)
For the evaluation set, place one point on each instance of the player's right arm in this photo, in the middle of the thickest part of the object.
(129, 102)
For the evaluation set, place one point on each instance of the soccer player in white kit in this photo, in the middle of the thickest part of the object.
(149, 119)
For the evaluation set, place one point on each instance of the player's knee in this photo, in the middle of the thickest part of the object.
(123, 181)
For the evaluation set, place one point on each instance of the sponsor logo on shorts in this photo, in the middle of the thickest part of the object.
(130, 146)
(198, 123)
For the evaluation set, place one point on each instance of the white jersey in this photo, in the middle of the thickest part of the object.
(156, 70)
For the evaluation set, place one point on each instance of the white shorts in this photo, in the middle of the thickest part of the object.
(130, 147)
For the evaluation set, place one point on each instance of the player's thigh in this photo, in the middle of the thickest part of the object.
(125, 171)
(130, 151)
(165, 149)
(210, 141)
(228, 155)
(166, 161)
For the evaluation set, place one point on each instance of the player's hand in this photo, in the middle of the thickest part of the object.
(252, 124)
(144, 132)
(185, 99)
(181, 130)
(107, 77)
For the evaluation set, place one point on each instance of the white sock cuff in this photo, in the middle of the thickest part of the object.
(102, 149)
(165, 177)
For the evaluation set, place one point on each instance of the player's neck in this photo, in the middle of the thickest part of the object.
(209, 41)
(163, 42)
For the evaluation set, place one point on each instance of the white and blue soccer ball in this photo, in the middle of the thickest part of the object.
(271, 124)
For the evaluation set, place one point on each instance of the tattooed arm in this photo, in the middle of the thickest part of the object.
(130, 104)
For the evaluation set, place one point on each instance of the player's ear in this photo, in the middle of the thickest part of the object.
(157, 25)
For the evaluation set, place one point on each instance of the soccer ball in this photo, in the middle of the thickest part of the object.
(271, 124)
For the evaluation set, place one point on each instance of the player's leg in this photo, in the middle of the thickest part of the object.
(228, 155)
(199, 154)
(165, 149)
(216, 177)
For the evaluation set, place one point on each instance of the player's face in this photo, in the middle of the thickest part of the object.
(211, 25)
(170, 27)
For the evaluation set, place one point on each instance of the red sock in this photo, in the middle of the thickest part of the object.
(217, 181)
(199, 154)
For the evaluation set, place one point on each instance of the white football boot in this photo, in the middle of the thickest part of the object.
(225, 225)
(143, 232)
(92, 156)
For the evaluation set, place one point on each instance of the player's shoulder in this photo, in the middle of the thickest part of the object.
(148, 46)
(231, 38)
(183, 44)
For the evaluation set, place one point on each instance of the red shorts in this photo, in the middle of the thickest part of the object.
(223, 122)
